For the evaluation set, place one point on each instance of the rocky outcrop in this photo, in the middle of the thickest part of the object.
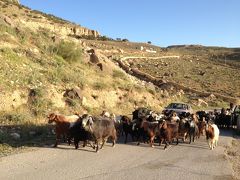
(36, 20)
(14, 1)
(56, 28)
(82, 31)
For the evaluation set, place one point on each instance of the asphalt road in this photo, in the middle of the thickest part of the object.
(124, 161)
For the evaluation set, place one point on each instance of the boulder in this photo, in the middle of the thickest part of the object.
(15, 136)
(201, 101)
(212, 97)
(74, 93)
(8, 21)
(32, 133)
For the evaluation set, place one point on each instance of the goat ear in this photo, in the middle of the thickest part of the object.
(90, 119)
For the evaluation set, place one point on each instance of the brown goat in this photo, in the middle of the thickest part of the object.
(167, 132)
(183, 129)
(62, 126)
(151, 128)
(201, 127)
(127, 127)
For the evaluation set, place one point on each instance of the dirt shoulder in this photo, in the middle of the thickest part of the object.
(233, 154)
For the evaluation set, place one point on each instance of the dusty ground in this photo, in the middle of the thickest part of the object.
(233, 153)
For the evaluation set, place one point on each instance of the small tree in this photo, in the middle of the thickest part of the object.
(104, 38)
(149, 42)
(74, 30)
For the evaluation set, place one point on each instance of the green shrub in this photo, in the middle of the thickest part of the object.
(104, 38)
(10, 55)
(68, 51)
(151, 91)
(4, 29)
(24, 35)
(88, 109)
(13, 117)
(71, 102)
(118, 74)
(139, 88)
(17, 116)
(99, 86)
(39, 103)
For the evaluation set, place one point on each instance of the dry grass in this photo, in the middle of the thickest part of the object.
(198, 74)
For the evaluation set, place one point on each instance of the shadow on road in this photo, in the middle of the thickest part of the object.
(31, 135)
(227, 132)
(86, 149)
(28, 135)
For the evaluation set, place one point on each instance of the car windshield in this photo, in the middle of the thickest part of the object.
(177, 106)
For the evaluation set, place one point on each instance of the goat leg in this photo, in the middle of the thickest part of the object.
(138, 139)
(97, 148)
(152, 141)
(114, 140)
(103, 142)
(132, 137)
(84, 143)
(64, 138)
(93, 146)
(113, 144)
(69, 140)
(56, 143)
(76, 143)
(160, 141)
(126, 135)
(166, 144)
(190, 139)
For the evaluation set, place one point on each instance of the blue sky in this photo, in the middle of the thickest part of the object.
(164, 22)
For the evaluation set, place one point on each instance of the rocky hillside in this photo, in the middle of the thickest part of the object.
(45, 67)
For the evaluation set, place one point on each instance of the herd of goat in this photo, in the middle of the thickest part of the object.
(144, 126)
